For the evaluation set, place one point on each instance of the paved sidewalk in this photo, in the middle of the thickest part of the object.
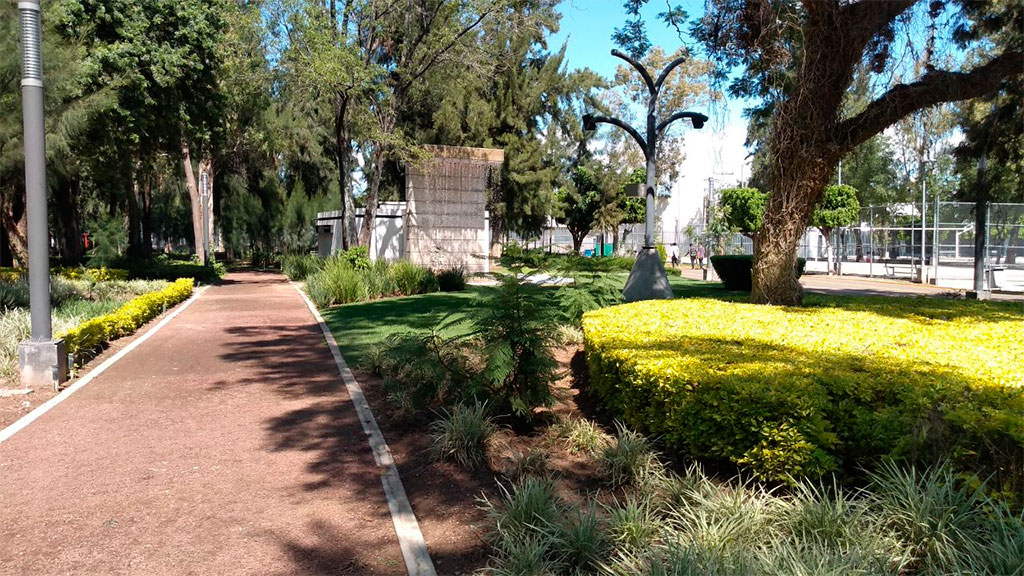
(861, 286)
(225, 444)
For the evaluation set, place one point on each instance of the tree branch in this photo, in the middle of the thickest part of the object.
(869, 17)
(935, 87)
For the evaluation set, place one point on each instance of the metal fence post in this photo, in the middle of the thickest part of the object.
(935, 242)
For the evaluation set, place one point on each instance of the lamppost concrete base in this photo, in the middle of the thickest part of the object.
(43, 364)
(647, 279)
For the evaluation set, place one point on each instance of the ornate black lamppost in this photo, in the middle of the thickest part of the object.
(647, 280)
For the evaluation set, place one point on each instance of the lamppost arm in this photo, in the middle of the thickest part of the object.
(668, 70)
(639, 68)
(589, 120)
(697, 118)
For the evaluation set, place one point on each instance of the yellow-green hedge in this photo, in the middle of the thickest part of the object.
(834, 385)
(71, 273)
(11, 274)
(93, 274)
(93, 333)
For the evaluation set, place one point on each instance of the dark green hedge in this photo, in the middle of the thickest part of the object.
(735, 270)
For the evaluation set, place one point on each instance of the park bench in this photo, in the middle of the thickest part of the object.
(895, 269)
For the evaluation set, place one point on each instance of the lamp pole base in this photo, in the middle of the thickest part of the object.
(647, 279)
(43, 364)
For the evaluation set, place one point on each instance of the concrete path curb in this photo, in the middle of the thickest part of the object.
(410, 539)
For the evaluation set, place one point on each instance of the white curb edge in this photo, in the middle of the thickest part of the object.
(45, 407)
(410, 539)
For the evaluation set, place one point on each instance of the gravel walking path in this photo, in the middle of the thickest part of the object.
(225, 444)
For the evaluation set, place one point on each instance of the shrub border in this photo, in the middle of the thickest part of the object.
(96, 332)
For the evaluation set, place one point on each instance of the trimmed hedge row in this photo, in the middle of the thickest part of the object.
(735, 270)
(69, 272)
(94, 333)
(836, 385)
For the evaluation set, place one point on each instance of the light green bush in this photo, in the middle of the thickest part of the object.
(790, 392)
(341, 282)
(298, 267)
(93, 333)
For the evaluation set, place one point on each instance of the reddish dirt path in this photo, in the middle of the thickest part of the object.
(225, 444)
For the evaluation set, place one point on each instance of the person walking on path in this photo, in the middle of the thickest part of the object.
(692, 252)
(700, 255)
(675, 255)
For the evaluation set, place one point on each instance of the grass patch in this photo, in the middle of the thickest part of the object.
(362, 326)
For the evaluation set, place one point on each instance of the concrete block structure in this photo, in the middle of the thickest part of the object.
(444, 220)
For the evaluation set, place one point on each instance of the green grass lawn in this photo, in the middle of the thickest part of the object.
(361, 326)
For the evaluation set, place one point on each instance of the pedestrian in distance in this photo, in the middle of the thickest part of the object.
(700, 255)
(692, 252)
(675, 255)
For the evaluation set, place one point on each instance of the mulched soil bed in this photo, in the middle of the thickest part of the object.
(446, 497)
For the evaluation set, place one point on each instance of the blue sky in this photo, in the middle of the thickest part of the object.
(588, 25)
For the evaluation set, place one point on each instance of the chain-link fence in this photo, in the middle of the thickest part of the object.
(888, 241)
(895, 241)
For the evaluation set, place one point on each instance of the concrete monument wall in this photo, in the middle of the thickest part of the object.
(446, 199)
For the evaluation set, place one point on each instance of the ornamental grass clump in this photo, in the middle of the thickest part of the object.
(351, 277)
(461, 435)
(836, 385)
(628, 458)
(903, 522)
(581, 436)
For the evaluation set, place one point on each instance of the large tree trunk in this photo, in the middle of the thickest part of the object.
(66, 207)
(14, 219)
(370, 208)
(786, 216)
(577, 240)
(343, 145)
(146, 205)
(193, 194)
(134, 214)
(206, 166)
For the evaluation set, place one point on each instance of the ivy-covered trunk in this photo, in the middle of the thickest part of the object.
(795, 192)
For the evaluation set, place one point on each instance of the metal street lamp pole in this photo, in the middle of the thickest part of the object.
(648, 280)
(204, 195)
(35, 170)
(41, 360)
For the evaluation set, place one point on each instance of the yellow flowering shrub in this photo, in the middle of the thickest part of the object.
(91, 274)
(11, 274)
(836, 384)
(71, 273)
(96, 332)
